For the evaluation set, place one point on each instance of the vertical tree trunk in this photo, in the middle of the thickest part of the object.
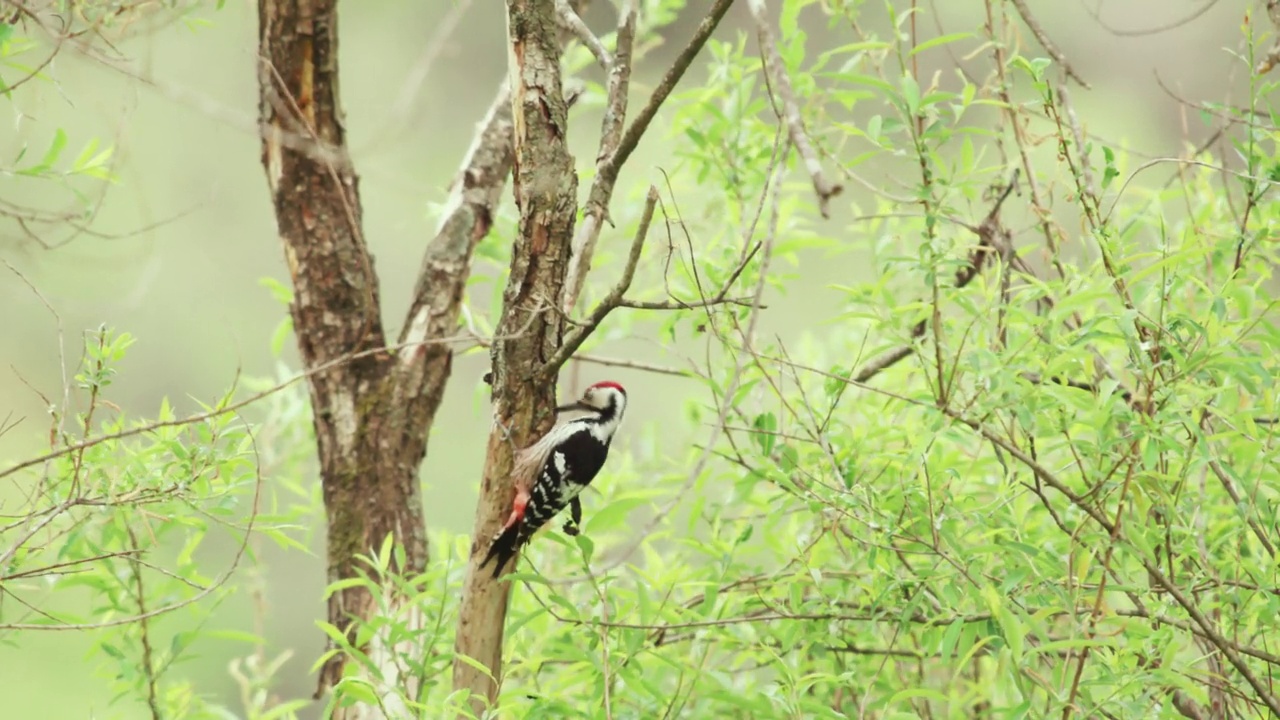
(531, 326)
(371, 435)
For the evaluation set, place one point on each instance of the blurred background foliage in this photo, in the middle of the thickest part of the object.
(179, 250)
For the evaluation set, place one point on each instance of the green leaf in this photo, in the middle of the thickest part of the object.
(788, 458)
(767, 425)
(384, 553)
(340, 585)
(613, 515)
(586, 545)
(938, 41)
(476, 664)
(356, 690)
(336, 635)
(284, 710)
(281, 292)
(1110, 172)
(911, 95)
(55, 149)
(948, 644)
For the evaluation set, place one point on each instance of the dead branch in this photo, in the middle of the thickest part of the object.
(776, 74)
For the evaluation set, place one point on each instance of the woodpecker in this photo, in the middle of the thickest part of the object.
(552, 472)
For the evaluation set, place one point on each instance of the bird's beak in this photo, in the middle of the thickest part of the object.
(579, 405)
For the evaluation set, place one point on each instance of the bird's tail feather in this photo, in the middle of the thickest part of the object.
(504, 547)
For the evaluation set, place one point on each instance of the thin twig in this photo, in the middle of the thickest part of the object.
(580, 333)
(144, 630)
(991, 238)
(771, 194)
(634, 365)
(177, 605)
(445, 32)
(1048, 45)
(640, 124)
(776, 73)
(217, 412)
(1094, 11)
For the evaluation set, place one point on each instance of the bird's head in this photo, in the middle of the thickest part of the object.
(603, 398)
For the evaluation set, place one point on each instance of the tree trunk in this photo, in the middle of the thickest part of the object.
(531, 327)
(372, 406)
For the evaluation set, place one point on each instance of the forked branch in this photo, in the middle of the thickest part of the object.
(616, 298)
(616, 146)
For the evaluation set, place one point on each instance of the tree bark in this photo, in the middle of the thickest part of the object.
(531, 326)
(369, 449)
(372, 406)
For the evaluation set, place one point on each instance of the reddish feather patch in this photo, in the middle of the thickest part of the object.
(610, 384)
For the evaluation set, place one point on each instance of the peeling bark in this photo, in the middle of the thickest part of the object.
(531, 328)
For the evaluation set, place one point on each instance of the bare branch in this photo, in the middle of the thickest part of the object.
(571, 20)
(444, 31)
(610, 301)
(423, 367)
(640, 124)
(434, 312)
(1043, 37)
(615, 114)
(633, 365)
(614, 151)
(1094, 11)
(776, 72)
(689, 304)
